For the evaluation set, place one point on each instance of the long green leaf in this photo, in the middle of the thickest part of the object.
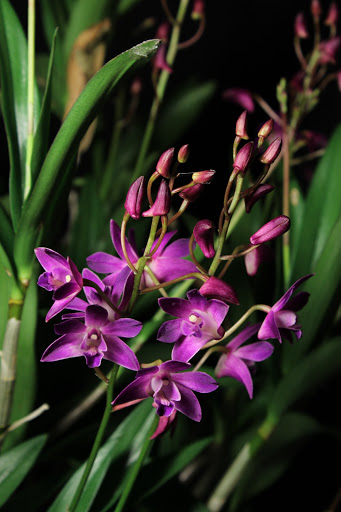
(118, 444)
(13, 69)
(65, 145)
(16, 463)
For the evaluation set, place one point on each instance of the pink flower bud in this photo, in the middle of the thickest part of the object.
(241, 126)
(328, 50)
(215, 288)
(339, 80)
(255, 258)
(272, 152)
(273, 229)
(183, 154)
(191, 193)
(241, 97)
(243, 157)
(198, 10)
(162, 202)
(332, 16)
(256, 194)
(159, 61)
(164, 163)
(266, 129)
(300, 26)
(203, 176)
(203, 233)
(315, 9)
(163, 31)
(133, 202)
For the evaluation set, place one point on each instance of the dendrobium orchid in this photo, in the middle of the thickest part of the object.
(281, 320)
(237, 361)
(95, 338)
(61, 276)
(198, 322)
(171, 387)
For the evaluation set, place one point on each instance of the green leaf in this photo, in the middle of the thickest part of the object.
(322, 209)
(117, 445)
(126, 5)
(6, 241)
(16, 463)
(65, 145)
(13, 72)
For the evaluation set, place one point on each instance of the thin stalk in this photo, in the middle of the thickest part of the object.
(30, 96)
(286, 203)
(136, 468)
(160, 88)
(97, 442)
(194, 275)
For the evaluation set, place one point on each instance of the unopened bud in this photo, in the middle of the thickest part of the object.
(300, 26)
(241, 97)
(253, 259)
(328, 50)
(191, 193)
(332, 16)
(133, 202)
(241, 126)
(256, 194)
(266, 129)
(243, 157)
(276, 227)
(203, 176)
(215, 288)
(272, 152)
(198, 10)
(164, 163)
(203, 233)
(162, 202)
(315, 9)
(183, 154)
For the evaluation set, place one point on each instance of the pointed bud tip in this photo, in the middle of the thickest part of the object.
(164, 163)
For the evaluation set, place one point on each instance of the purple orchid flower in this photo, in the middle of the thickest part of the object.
(61, 276)
(282, 319)
(95, 338)
(237, 361)
(167, 263)
(198, 321)
(171, 388)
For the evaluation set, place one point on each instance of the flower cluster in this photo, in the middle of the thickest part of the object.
(94, 323)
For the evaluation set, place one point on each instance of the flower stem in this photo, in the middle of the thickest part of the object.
(136, 468)
(30, 96)
(97, 442)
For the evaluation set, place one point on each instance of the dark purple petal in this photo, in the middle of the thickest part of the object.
(197, 300)
(70, 327)
(133, 202)
(258, 351)
(77, 304)
(120, 353)
(75, 272)
(125, 327)
(50, 259)
(93, 360)
(298, 302)
(231, 366)
(186, 348)
(163, 243)
(283, 300)
(136, 390)
(244, 335)
(95, 316)
(162, 203)
(67, 290)
(174, 366)
(171, 391)
(215, 288)
(217, 309)
(204, 236)
(189, 404)
(166, 269)
(177, 249)
(269, 328)
(63, 348)
(272, 229)
(181, 308)
(170, 331)
(56, 308)
(197, 381)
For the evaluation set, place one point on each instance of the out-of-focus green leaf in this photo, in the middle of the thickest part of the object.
(125, 5)
(13, 69)
(25, 385)
(117, 445)
(16, 463)
(65, 145)
(181, 111)
(6, 240)
(321, 211)
(41, 135)
(316, 368)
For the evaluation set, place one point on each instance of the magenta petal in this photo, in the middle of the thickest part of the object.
(170, 331)
(104, 263)
(163, 243)
(186, 348)
(298, 302)
(171, 392)
(174, 366)
(125, 327)
(285, 319)
(120, 353)
(95, 316)
(283, 300)
(115, 232)
(218, 310)
(70, 327)
(189, 404)
(56, 308)
(258, 351)
(180, 308)
(50, 259)
(177, 249)
(197, 381)
(66, 291)
(244, 335)
(166, 269)
(64, 347)
(232, 366)
(197, 300)
(136, 390)
(269, 328)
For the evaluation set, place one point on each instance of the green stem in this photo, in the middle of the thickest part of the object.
(160, 89)
(136, 468)
(30, 96)
(97, 442)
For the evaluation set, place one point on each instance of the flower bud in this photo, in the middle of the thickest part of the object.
(315, 9)
(243, 157)
(198, 9)
(256, 194)
(162, 202)
(241, 97)
(255, 258)
(328, 50)
(272, 152)
(300, 26)
(332, 16)
(203, 176)
(164, 163)
(276, 227)
(133, 202)
(241, 126)
(215, 288)
(191, 193)
(266, 129)
(203, 233)
(183, 154)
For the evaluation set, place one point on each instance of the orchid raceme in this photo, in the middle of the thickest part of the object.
(237, 361)
(171, 387)
(198, 321)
